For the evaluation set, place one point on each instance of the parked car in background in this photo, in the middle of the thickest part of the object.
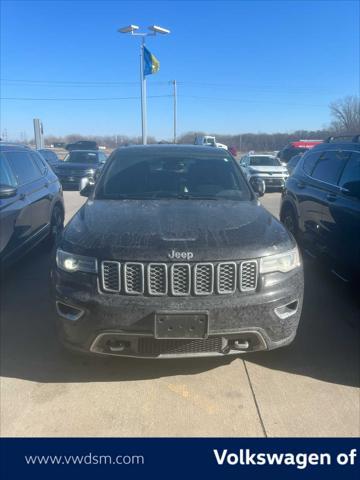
(266, 168)
(208, 141)
(50, 156)
(79, 164)
(58, 145)
(293, 162)
(321, 204)
(233, 150)
(295, 148)
(82, 145)
(31, 202)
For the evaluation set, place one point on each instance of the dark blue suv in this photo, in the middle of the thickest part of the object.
(321, 203)
(31, 202)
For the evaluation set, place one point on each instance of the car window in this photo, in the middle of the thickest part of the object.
(39, 162)
(6, 175)
(329, 166)
(82, 157)
(288, 152)
(44, 153)
(102, 157)
(351, 172)
(309, 162)
(264, 161)
(293, 161)
(23, 167)
(48, 155)
(164, 174)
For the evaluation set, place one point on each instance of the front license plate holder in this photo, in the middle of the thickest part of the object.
(181, 325)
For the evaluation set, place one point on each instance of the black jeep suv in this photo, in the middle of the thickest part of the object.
(321, 204)
(79, 164)
(31, 202)
(173, 255)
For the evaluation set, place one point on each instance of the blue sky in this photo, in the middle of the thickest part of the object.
(241, 66)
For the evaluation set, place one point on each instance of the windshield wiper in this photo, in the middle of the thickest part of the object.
(187, 196)
(163, 195)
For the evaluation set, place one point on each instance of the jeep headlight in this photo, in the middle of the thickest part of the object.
(70, 262)
(282, 262)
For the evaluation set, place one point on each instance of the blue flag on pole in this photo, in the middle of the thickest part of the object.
(151, 63)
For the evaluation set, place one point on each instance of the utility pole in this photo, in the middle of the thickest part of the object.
(38, 133)
(175, 107)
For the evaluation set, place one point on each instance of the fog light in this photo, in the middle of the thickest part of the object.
(241, 344)
(116, 346)
(287, 310)
(69, 311)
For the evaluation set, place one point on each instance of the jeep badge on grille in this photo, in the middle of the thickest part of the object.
(174, 255)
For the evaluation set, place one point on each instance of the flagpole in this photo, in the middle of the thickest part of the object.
(133, 30)
(175, 109)
(143, 93)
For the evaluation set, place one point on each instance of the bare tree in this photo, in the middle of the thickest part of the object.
(346, 115)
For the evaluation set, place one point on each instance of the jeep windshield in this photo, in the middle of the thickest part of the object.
(263, 161)
(150, 173)
(81, 157)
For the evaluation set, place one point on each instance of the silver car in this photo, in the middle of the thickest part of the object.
(264, 167)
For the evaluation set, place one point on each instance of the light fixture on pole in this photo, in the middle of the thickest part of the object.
(132, 30)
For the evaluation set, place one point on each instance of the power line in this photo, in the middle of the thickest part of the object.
(80, 99)
(197, 97)
(253, 101)
(296, 88)
(72, 82)
(98, 83)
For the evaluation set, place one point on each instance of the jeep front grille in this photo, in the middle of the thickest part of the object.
(178, 279)
(134, 278)
(226, 277)
(111, 276)
(203, 278)
(180, 275)
(248, 276)
(157, 278)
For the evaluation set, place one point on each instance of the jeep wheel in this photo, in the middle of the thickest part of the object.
(57, 226)
(288, 218)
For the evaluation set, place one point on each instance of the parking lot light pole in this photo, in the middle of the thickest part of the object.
(132, 30)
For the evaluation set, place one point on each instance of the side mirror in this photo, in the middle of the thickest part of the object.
(86, 186)
(7, 191)
(258, 186)
(352, 189)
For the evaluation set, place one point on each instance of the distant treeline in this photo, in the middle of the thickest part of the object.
(259, 141)
(243, 142)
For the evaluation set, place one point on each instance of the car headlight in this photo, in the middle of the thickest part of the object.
(283, 262)
(75, 263)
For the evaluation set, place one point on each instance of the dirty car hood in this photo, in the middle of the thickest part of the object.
(148, 230)
(268, 169)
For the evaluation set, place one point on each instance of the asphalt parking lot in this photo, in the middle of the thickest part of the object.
(310, 388)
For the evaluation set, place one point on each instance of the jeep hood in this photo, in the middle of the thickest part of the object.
(268, 169)
(148, 230)
(63, 167)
